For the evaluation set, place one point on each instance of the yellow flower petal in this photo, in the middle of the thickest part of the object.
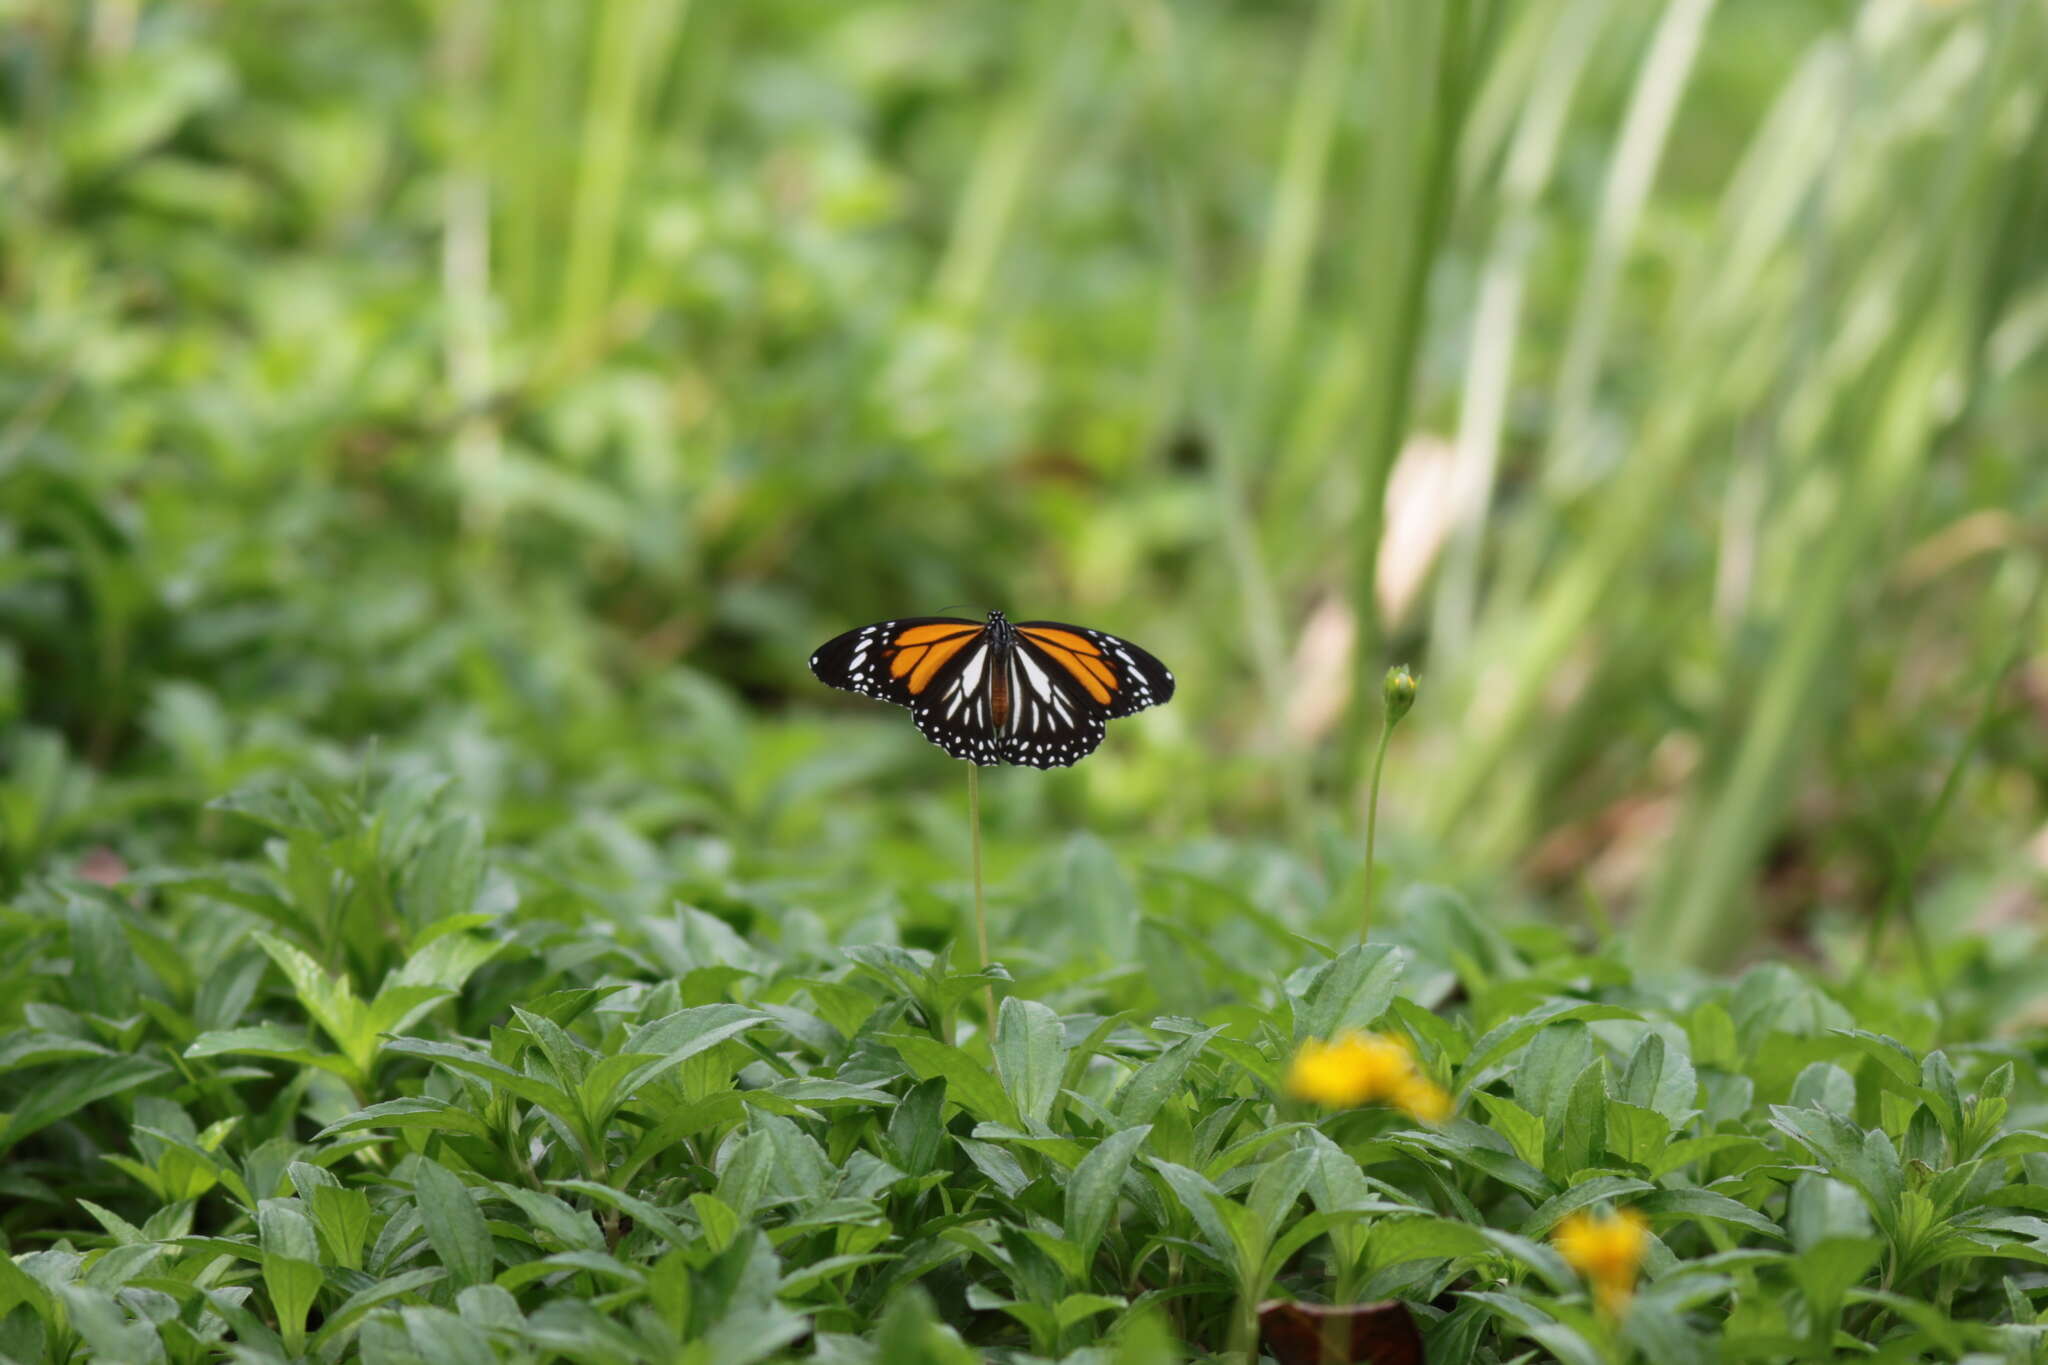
(1363, 1068)
(1608, 1251)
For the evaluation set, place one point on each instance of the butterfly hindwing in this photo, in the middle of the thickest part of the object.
(1047, 720)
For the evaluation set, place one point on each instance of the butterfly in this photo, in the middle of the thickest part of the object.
(1030, 692)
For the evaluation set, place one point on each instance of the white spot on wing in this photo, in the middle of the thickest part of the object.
(970, 675)
(1039, 682)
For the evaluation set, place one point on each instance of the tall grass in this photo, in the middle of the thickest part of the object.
(717, 326)
(1425, 63)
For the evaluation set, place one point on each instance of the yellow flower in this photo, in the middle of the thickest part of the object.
(1364, 1068)
(1608, 1251)
(1423, 1098)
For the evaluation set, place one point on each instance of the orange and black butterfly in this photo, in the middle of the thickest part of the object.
(1031, 692)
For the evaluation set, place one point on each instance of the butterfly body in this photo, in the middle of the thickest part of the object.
(1037, 693)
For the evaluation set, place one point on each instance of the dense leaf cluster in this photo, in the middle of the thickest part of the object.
(377, 1095)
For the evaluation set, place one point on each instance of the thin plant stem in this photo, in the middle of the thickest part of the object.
(988, 992)
(1372, 819)
(1397, 696)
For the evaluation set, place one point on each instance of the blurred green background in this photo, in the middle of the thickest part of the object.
(522, 390)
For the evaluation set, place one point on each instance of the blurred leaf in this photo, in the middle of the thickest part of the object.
(453, 1223)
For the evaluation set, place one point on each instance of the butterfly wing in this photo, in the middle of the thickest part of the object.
(1041, 697)
(1067, 683)
(938, 666)
(1112, 673)
(893, 661)
(1045, 718)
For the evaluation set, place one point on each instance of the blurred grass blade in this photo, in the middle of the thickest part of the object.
(1424, 62)
(1660, 85)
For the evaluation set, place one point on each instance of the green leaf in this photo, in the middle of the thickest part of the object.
(1660, 1079)
(1351, 991)
(1461, 1141)
(797, 1281)
(1095, 1185)
(1712, 1033)
(1505, 1037)
(1698, 1203)
(394, 1010)
(1203, 1203)
(330, 1001)
(1394, 1240)
(1636, 1135)
(1557, 1057)
(1280, 1183)
(1139, 1099)
(278, 1042)
(70, 1088)
(1599, 1189)
(454, 1225)
(102, 965)
(1546, 1331)
(675, 1038)
(1889, 1053)
(485, 1068)
(916, 1126)
(340, 1215)
(1521, 1128)
(1823, 1085)
(558, 1227)
(1866, 1160)
(291, 1266)
(1582, 1126)
(420, 1112)
(639, 1210)
(1031, 1054)
(1078, 1307)
(1685, 1151)
(18, 1287)
(968, 1082)
(443, 879)
(108, 1329)
(1337, 1182)
(1826, 1270)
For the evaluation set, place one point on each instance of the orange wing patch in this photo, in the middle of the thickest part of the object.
(935, 656)
(933, 632)
(1062, 639)
(1087, 668)
(922, 650)
(1101, 670)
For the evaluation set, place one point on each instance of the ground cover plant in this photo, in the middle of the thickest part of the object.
(443, 919)
(381, 1092)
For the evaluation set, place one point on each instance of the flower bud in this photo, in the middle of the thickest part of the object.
(1399, 693)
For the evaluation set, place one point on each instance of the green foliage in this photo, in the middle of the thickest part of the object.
(675, 1140)
(441, 921)
(578, 356)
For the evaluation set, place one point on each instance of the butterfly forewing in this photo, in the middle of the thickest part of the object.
(1117, 675)
(894, 660)
(919, 662)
